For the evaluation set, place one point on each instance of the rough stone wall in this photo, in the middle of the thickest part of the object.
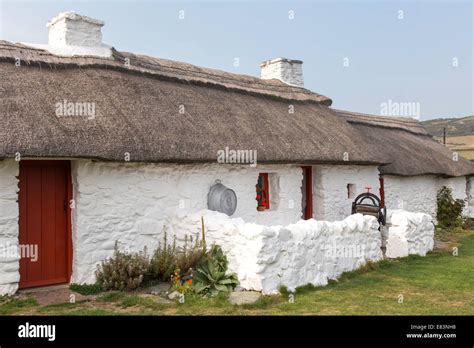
(408, 233)
(307, 252)
(130, 203)
(418, 193)
(330, 200)
(470, 196)
(9, 263)
(240, 241)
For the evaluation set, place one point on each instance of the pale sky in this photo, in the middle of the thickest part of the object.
(400, 51)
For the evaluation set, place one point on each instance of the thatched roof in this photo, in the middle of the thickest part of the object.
(406, 123)
(138, 111)
(411, 150)
(163, 69)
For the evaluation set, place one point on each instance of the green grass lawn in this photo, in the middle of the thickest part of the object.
(438, 284)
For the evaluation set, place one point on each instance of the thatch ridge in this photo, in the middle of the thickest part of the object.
(163, 69)
(405, 123)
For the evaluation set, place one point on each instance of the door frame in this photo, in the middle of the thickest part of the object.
(69, 198)
(308, 176)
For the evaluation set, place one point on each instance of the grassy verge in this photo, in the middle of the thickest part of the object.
(438, 284)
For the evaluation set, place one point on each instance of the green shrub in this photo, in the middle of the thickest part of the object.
(188, 258)
(284, 292)
(449, 210)
(184, 266)
(163, 262)
(211, 276)
(468, 223)
(169, 258)
(86, 289)
(123, 270)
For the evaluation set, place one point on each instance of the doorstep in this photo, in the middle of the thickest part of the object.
(54, 294)
(43, 288)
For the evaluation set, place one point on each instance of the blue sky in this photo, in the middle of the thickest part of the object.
(402, 60)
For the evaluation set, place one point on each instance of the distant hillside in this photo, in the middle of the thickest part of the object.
(454, 126)
(459, 134)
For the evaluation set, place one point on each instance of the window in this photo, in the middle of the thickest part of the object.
(351, 190)
(263, 194)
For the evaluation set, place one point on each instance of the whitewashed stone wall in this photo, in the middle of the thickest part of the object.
(408, 233)
(330, 200)
(470, 196)
(9, 212)
(418, 193)
(130, 203)
(307, 252)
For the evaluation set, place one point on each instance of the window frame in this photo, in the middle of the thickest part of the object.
(265, 191)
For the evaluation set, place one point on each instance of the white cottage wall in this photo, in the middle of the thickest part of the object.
(9, 213)
(418, 193)
(331, 201)
(131, 203)
(470, 196)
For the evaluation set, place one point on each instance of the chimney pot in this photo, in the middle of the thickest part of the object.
(72, 29)
(289, 71)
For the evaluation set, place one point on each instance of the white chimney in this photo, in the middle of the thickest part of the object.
(287, 70)
(72, 29)
(71, 34)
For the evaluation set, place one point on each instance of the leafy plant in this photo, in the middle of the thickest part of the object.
(163, 262)
(123, 270)
(188, 258)
(168, 257)
(449, 209)
(86, 289)
(211, 277)
(468, 223)
(183, 285)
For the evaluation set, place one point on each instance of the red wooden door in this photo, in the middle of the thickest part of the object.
(45, 191)
(307, 191)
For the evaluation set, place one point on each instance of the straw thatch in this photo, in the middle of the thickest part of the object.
(411, 150)
(406, 123)
(162, 69)
(163, 111)
(139, 113)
